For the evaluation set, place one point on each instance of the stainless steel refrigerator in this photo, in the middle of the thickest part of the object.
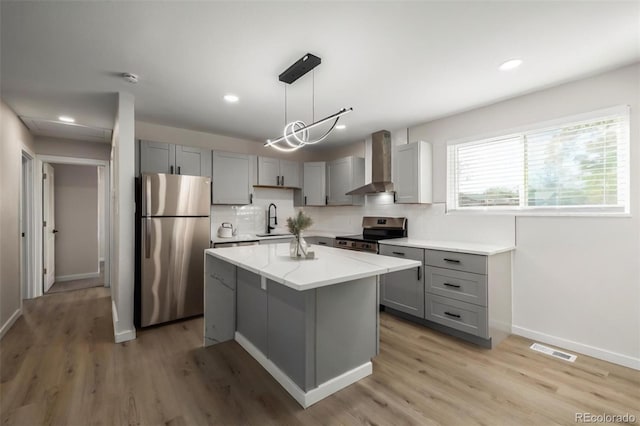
(173, 233)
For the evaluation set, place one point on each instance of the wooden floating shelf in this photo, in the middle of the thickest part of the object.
(276, 187)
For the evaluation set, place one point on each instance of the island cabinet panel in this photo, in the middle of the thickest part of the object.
(346, 317)
(291, 333)
(220, 301)
(251, 309)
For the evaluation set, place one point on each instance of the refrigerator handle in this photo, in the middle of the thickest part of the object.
(147, 239)
(147, 195)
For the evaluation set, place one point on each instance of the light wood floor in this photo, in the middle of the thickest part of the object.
(60, 366)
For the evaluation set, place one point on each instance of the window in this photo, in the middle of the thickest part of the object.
(576, 165)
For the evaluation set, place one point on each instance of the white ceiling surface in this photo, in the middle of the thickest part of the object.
(397, 64)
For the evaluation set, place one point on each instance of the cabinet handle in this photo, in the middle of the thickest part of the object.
(326, 200)
(419, 273)
(395, 199)
(282, 180)
(171, 169)
(250, 198)
(178, 169)
(277, 180)
(399, 253)
(452, 315)
(305, 200)
(451, 260)
(322, 243)
(451, 285)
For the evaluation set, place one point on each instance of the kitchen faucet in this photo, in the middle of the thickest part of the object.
(274, 217)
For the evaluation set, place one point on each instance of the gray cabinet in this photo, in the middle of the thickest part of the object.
(343, 175)
(413, 173)
(159, 157)
(320, 241)
(469, 293)
(252, 309)
(314, 192)
(403, 290)
(276, 172)
(232, 180)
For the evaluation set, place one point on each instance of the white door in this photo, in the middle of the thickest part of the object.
(49, 226)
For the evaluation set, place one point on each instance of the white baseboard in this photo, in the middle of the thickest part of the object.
(77, 276)
(7, 325)
(120, 335)
(305, 399)
(592, 351)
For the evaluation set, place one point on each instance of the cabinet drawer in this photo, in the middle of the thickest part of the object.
(222, 271)
(464, 286)
(459, 261)
(402, 252)
(452, 313)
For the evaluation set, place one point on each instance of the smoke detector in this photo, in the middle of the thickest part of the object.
(130, 78)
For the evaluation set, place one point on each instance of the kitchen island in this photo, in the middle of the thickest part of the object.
(312, 323)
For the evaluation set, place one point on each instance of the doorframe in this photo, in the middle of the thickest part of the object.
(37, 288)
(27, 190)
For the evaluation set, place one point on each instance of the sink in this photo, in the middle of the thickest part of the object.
(274, 235)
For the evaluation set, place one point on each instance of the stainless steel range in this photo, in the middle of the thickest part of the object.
(374, 229)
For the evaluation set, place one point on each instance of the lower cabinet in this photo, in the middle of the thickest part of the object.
(403, 290)
(251, 305)
(219, 301)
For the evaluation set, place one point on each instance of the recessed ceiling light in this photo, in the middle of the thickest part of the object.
(67, 119)
(341, 127)
(231, 98)
(510, 64)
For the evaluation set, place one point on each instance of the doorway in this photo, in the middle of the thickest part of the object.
(27, 234)
(72, 216)
(54, 173)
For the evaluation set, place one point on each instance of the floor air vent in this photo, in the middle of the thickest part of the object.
(553, 352)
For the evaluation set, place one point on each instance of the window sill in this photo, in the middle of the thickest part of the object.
(538, 213)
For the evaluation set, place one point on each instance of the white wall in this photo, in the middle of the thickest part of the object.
(13, 136)
(122, 216)
(101, 213)
(72, 148)
(576, 281)
(76, 206)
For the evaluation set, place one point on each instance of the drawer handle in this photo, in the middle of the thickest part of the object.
(322, 243)
(451, 260)
(452, 315)
(399, 253)
(451, 285)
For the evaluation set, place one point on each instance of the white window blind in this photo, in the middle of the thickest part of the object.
(578, 165)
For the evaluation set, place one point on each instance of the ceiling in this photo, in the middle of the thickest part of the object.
(397, 64)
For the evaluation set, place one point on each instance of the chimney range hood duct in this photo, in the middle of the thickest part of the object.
(380, 165)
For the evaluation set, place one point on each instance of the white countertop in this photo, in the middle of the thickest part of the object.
(253, 237)
(330, 266)
(454, 246)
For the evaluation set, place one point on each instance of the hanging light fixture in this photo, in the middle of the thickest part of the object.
(296, 134)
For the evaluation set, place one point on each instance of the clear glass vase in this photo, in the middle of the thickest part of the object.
(298, 247)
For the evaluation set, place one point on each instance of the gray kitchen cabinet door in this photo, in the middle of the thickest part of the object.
(251, 314)
(219, 311)
(339, 181)
(268, 171)
(290, 173)
(403, 290)
(193, 161)
(315, 189)
(157, 157)
(231, 182)
(413, 179)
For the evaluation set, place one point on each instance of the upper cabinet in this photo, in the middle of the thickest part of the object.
(343, 175)
(314, 192)
(413, 172)
(275, 172)
(159, 157)
(233, 178)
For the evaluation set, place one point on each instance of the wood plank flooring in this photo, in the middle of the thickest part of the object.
(59, 366)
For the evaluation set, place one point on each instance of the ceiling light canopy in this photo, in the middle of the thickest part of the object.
(511, 64)
(66, 119)
(231, 98)
(341, 127)
(296, 134)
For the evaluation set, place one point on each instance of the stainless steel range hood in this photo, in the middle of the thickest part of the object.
(380, 165)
